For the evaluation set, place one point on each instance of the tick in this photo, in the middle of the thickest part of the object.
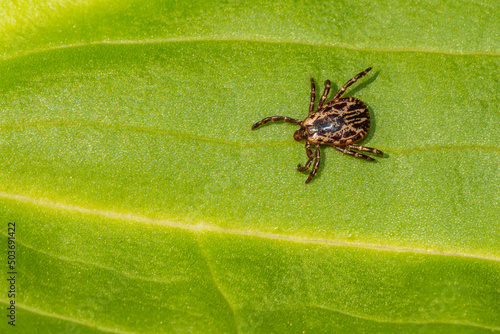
(339, 123)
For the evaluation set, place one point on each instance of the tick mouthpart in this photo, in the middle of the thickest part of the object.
(299, 135)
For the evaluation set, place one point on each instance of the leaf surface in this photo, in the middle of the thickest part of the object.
(143, 204)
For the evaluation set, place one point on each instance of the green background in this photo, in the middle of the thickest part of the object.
(144, 205)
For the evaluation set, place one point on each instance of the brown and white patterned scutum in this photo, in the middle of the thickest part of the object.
(340, 122)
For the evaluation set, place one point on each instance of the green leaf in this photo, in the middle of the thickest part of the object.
(143, 204)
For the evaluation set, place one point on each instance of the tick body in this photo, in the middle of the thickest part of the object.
(339, 123)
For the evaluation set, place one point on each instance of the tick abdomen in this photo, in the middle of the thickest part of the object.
(340, 122)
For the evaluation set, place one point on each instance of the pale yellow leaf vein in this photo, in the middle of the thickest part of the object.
(60, 317)
(94, 264)
(139, 278)
(201, 227)
(217, 284)
(402, 322)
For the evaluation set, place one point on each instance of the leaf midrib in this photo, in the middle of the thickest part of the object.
(201, 228)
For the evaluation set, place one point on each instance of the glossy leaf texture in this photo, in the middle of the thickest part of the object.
(143, 204)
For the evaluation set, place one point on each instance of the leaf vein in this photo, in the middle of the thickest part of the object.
(73, 320)
(392, 321)
(188, 136)
(217, 284)
(250, 40)
(201, 228)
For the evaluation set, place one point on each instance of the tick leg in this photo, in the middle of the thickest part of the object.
(325, 93)
(310, 156)
(313, 97)
(365, 149)
(350, 82)
(315, 166)
(354, 154)
(274, 119)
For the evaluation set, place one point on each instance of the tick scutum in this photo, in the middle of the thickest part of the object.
(340, 122)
